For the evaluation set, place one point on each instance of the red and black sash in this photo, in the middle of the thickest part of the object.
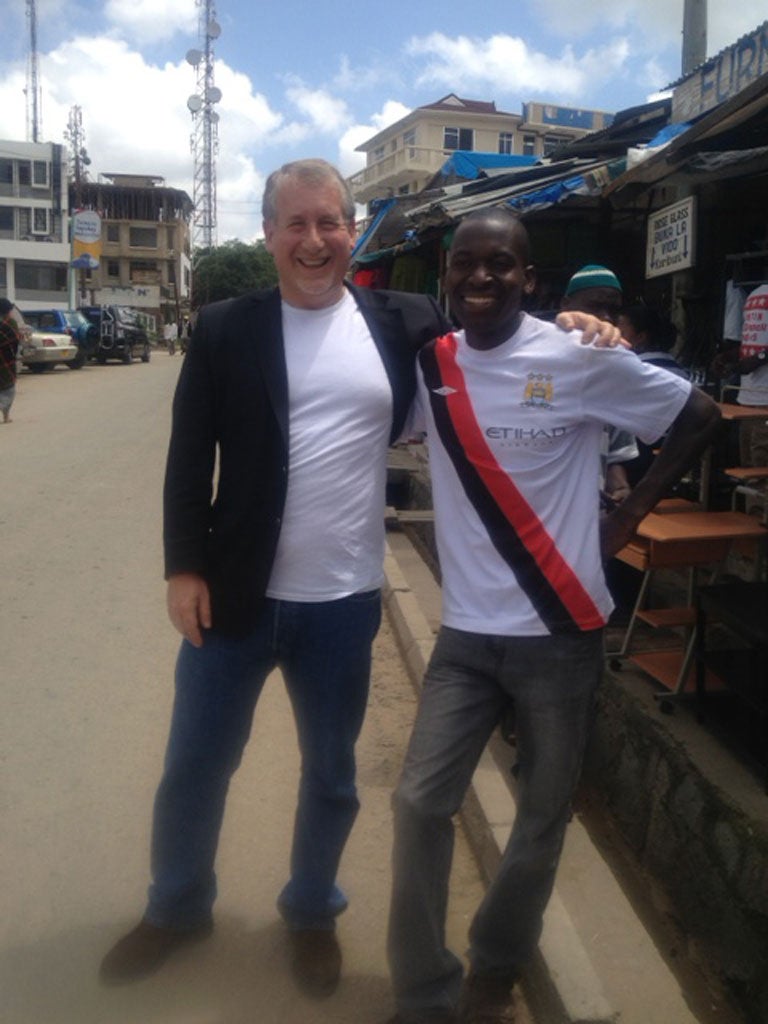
(513, 527)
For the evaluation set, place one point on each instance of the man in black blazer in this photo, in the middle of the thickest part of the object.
(274, 541)
(274, 557)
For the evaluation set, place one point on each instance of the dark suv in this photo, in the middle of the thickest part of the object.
(121, 333)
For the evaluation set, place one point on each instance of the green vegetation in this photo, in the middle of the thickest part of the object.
(230, 269)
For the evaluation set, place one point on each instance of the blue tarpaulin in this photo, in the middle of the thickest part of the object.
(379, 208)
(466, 164)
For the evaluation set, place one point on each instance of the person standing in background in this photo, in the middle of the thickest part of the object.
(10, 339)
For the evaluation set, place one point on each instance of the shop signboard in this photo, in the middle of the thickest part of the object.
(722, 77)
(671, 242)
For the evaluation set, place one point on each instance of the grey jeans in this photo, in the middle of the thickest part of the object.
(467, 686)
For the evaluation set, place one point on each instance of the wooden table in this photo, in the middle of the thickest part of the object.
(731, 413)
(676, 537)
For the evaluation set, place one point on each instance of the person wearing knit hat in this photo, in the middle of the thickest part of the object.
(594, 289)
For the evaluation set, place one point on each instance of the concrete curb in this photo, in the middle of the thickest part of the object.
(596, 963)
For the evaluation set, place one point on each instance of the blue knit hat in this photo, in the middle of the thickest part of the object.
(592, 276)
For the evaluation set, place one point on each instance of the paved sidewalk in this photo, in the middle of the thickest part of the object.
(82, 832)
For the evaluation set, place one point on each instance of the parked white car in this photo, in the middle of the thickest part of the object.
(42, 350)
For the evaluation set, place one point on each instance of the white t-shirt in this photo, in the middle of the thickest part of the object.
(516, 489)
(340, 416)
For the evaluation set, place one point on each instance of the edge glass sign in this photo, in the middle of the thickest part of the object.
(671, 242)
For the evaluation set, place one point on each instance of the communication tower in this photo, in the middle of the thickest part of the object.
(34, 100)
(74, 133)
(205, 128)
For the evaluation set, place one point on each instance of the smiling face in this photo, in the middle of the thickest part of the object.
(487, 276)
(310, 240)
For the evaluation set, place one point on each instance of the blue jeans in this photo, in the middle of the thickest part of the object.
(324, 652)
(467, 686)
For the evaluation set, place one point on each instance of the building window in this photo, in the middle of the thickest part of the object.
(41, 224)
(551, 143)
(41, 277)
(458, 138)
(378, 153)
(404, 190)
(170, 238)
(144, 272)
(40, 173)
(113, 232)
(529, 145)
(409, 140)
(6, 172)
(6, 222)
(143, 238)
(3, 277)
(113, 268)
(25, 172)
(506, 142)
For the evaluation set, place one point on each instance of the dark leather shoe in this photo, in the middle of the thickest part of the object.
(144, 950)
(315, 961)
(488, 999)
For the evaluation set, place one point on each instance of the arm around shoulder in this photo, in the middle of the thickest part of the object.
(691, 432)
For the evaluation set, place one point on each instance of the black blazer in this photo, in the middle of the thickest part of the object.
(231, 402)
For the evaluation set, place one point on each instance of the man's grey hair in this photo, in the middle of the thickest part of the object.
(310, 172)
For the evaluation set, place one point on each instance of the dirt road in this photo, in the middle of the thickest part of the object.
(87, 658)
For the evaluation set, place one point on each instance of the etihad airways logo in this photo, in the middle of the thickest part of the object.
(523, 437)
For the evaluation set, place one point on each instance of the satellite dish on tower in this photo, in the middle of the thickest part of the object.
(212, 94)
(214, 30)
(194, 57)
(194, 103)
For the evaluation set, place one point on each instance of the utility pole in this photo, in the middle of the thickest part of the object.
(694, 34)
(34, 100)
(74, 133)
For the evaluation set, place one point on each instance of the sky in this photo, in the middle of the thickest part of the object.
(301, 79)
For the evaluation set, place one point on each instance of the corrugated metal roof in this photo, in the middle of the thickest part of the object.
(562, 179)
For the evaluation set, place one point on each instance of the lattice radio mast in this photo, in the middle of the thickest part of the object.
(205, 131)
(34, 99)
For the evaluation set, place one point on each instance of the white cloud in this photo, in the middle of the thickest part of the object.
(503, 64)
(392, 111)
(147, 21)
(13, 114)
(658, 22)
(239, 198)
(652, 25)
(349, 161)
(354, 78)
(326, 113)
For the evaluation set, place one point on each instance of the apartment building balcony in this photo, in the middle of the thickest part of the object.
(395, 170)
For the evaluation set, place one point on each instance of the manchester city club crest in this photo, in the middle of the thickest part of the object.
(539, 390)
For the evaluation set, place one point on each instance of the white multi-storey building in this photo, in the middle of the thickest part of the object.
(34, 224)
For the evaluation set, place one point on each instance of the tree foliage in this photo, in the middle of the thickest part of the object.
(230, 269)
